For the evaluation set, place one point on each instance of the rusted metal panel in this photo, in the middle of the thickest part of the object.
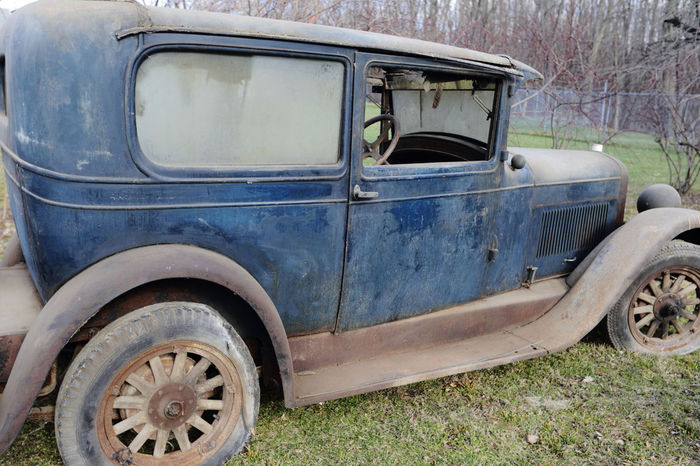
(9, 347)
(481, 317)
(42, 413)
(79, 299)
(337, 381)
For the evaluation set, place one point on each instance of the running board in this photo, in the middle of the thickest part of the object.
(396, 369)
(375, 371)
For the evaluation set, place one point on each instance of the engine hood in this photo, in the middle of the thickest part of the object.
(560, 166)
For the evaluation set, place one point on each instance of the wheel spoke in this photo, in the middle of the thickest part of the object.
(159, 374)
(680, 280)
(688, 315)
(140, 384)
(687, 290)
(141, 438)
(655, 288)
(645, 321)
(178, 371)
(209, 384)
(679, 328)
(643, 309)
(129, 402)
(652, 328)
(646, 298)
(161, 441)
(200, 424)
(181, 436)
(214, 405)
(664, 330)
(666, 284)
(129, 423)
(196, 371)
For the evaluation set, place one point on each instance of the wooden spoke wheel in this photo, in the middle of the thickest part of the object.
(660, 311)
(664, 311)
(171, 383)
(170, 404)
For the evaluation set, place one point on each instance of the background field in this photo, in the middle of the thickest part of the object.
(589, 404)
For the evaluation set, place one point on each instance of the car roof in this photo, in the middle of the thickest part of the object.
(154, 19)
(131, 18)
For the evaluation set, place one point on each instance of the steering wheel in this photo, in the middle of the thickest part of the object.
(372, 148)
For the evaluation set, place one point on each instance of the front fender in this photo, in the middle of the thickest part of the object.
(86, 293)
(600, 280)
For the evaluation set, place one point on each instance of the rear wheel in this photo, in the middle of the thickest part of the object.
(170, 383)
(660, 311)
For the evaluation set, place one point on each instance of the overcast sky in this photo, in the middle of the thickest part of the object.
(13, 4)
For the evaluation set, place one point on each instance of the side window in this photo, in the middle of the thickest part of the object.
(223, 110)
(423, 116)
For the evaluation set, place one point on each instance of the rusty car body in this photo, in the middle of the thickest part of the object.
(200, 197)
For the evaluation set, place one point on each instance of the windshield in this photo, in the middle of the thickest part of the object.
(430, 102)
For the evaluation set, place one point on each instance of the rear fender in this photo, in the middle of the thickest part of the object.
(86, 293)
(600, 280)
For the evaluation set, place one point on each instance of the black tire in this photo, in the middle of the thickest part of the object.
(206, 374)
(660, 311)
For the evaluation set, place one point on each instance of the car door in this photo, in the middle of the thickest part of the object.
(419, 233)
(246, 148)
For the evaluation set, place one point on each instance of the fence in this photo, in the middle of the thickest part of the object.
(602, 110)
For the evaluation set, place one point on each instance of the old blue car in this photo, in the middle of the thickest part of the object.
(205, 202)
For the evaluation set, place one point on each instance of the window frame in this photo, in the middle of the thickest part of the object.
(171, 42)
(432, 169)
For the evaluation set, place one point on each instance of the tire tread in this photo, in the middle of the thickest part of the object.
(86, 366)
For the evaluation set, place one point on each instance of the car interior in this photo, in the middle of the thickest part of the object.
(423, 116)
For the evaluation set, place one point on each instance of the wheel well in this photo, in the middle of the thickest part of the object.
(231, 306)
(690, 236)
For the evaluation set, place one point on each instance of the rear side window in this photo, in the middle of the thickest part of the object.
(205, 109)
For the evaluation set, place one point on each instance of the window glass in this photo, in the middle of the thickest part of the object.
(204, 109)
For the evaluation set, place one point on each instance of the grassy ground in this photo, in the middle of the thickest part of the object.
(590, 404)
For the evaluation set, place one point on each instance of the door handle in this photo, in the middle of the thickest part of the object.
(359, 194)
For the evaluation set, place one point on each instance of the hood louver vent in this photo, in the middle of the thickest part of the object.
(572, 229)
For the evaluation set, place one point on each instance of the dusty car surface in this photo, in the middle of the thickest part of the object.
(206, 201)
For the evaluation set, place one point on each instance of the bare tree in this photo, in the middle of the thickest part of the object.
(674, 69)
(598, 51)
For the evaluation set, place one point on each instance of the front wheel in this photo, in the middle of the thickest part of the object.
(170, 383)
(660, 311)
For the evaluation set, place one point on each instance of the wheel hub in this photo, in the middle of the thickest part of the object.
(171, 405)
(668, 307)
(173, 409)
(664, 312)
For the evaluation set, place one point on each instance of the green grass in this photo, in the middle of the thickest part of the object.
(651, 404)
(590, 404)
